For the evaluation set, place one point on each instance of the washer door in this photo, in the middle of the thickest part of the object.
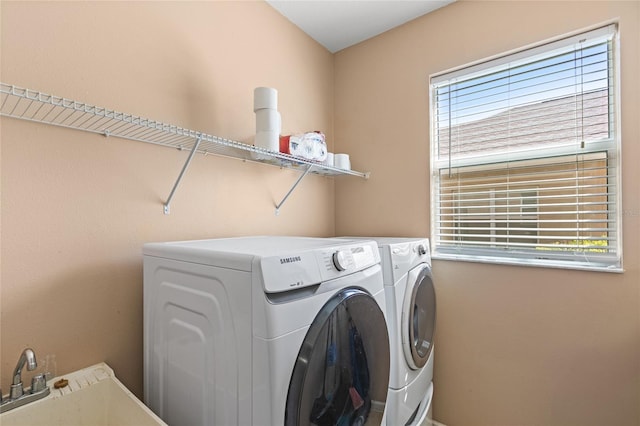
(343, 364)
(418, 317)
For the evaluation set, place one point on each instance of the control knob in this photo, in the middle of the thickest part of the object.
(342, 260)
(422, 250)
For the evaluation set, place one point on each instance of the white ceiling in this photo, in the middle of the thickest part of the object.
(337, 24)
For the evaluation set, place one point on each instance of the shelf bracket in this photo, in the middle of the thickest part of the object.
(306, 172)
(167, 205)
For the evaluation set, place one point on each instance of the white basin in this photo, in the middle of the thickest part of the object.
(93, 397)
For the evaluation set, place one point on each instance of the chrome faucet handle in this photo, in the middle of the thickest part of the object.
(38, 383)
(16, 391)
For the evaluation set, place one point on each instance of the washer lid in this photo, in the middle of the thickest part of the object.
(419, 317)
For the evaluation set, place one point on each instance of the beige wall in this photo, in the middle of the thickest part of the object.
(514, 346)
(76, 208)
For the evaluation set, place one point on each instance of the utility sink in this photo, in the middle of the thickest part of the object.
(92, 397)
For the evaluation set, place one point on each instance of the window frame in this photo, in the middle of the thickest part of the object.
(612, 147)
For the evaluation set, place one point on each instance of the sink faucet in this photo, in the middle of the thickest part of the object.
(28, 357)
(17, 396)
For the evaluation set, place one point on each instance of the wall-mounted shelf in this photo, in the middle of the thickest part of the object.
(31, 105)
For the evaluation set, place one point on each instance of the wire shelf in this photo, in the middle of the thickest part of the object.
(31, 105)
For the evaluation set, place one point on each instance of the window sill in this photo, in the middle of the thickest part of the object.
(540, 263)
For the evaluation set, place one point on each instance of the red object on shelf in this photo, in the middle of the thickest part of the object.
(284, 144)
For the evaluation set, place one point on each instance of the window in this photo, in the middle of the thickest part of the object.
(525, 157)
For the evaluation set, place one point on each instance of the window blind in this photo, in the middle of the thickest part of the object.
(525, 157)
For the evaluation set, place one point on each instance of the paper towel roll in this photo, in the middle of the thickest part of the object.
(342, 161)
(329, 161)
(268, 140)
(268, 120)
(265, 98)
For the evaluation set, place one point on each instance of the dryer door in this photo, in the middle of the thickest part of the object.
(343, 364)
(418, 317)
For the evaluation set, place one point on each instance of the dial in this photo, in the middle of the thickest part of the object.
(422, 250)
(342, 260)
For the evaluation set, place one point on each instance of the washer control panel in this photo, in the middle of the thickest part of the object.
(348, 259)
(303, 268)
(353, 258)
(343, 260)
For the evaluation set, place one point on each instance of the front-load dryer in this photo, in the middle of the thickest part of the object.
(265, 331)
(411, 313)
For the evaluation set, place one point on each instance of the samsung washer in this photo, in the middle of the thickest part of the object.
(264, 331)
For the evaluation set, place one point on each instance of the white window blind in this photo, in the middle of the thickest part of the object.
(525, 157)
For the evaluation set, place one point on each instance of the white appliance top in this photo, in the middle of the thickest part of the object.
(285, 263)
(400, 255)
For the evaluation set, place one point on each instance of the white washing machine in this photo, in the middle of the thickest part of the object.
(411, 313)
(264, 331)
